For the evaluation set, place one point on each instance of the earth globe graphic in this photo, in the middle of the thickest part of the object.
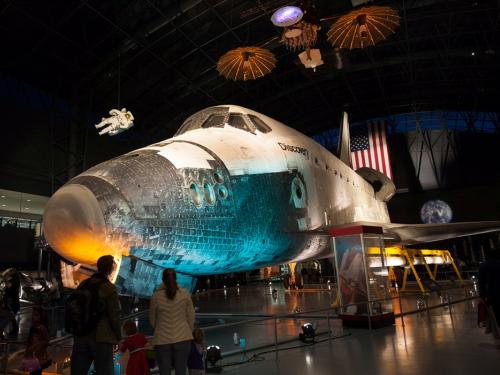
(436, 211)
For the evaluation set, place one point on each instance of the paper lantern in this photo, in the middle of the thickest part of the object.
(363, 27)
(245, 63)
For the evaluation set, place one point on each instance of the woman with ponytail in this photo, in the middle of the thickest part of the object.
(171, 314)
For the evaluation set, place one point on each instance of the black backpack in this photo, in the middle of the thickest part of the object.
(84, 308)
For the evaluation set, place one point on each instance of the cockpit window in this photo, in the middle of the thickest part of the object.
(218, 117)
(214, 121)
(206, 118)
(237, 121)
(259, 124)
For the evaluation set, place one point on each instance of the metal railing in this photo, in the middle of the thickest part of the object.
(271, 323)
(332, 313)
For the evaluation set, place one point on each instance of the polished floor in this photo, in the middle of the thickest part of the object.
(442, 339)
(440, 343)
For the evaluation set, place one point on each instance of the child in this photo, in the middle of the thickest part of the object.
(195, 360)
(135, 343)
(5, 318)
(38, 342)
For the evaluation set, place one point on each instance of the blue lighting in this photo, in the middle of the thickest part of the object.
(477, 122)
(287, 16)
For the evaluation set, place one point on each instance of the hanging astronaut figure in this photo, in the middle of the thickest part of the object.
(118, 122)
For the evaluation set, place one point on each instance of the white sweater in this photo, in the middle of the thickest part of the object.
(172, 320)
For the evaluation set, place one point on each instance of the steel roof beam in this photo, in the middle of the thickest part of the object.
(142, 45)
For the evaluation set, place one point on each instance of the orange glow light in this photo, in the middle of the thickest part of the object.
(82, 246)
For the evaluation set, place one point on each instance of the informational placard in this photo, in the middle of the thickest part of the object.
(351, 274)
(362, 273)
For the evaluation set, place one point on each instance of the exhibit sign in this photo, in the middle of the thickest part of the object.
(362, 275)
(351, 274)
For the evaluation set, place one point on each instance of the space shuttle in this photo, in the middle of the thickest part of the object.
(233, 190)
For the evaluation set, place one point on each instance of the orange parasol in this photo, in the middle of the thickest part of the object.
(363, 27)
(244, 63)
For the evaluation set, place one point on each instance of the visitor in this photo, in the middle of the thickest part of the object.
(196, 364)
(97, 343)
(489, 286)
(5, 318)
(11, 296)
(38, 342)
(135, 343)
(171, 314)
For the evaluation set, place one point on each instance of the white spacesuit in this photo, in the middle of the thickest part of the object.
(118, 122)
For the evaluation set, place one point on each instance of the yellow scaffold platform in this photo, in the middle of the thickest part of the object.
(409, 258)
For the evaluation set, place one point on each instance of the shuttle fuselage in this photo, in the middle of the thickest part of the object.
(233, 190)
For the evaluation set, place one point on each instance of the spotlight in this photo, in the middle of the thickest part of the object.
(213, 356)
(307, 335)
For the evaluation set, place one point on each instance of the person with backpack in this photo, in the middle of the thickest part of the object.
(93, 317)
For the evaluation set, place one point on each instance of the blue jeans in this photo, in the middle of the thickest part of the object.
(86, 350)
(173, 355)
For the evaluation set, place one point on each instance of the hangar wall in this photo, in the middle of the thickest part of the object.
(61, 135)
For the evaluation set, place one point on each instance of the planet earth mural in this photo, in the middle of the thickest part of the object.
(436, 211)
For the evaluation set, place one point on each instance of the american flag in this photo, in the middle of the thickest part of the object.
(369, 148)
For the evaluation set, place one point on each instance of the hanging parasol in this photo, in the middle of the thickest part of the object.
(363, 27)
(244, 63)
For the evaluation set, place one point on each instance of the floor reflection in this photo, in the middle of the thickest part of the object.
(441, 339)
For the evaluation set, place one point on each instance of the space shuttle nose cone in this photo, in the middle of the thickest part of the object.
(74, 226)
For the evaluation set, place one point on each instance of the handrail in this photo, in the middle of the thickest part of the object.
(331, 312)
(294, 315)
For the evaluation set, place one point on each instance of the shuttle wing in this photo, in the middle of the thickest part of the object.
(410, 234)
(419, 233)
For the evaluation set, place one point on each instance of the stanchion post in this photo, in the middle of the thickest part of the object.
(401, 310)
(426, 300)
(276, 338)
(328, 322)
(40, 256)
(368, 308)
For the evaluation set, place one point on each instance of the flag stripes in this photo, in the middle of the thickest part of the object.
(369, 148)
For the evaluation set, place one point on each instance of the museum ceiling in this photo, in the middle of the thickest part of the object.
(158, 58)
